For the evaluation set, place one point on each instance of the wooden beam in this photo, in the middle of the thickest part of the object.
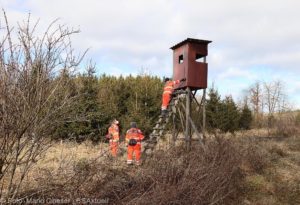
(181, 117)
(187, 116)
(174, 130)
(204, 115)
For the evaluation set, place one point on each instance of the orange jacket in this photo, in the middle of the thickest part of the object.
(113, 131)
(169, 86)
(134, 133)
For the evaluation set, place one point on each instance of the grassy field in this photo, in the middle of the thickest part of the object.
(276, 180)
(268, 170)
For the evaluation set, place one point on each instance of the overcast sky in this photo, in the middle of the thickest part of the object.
(252, 40)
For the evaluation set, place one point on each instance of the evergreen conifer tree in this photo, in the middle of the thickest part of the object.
(230, 115)
(246, 118)
(213, 109)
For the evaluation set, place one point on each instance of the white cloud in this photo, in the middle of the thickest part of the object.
(236, 73)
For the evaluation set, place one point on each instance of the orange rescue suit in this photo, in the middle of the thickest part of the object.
(113, 132)
(134, 133)
(168, 90)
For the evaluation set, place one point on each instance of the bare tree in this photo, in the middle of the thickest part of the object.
(33, 96)
(256, 101)
(275, 99)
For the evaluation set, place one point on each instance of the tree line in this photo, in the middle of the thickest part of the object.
(224, 114)
(100, 99)
(267, 99)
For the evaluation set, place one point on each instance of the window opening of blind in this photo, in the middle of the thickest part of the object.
(199, 58)
(180, 59)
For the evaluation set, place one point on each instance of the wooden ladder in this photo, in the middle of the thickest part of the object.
(160, 126)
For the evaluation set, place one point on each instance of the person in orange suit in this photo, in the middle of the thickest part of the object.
(114, 137)
(134, 136)
(167, 93)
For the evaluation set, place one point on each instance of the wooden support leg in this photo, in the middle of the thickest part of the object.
(187, 116)
(204, 115)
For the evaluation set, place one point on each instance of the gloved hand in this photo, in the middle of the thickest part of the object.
(183, 79)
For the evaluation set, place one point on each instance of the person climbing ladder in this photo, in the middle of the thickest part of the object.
(167, 93)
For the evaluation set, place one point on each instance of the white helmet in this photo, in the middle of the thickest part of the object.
(115, 121)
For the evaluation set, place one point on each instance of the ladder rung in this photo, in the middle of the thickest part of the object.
(157, 125)
(158, 128)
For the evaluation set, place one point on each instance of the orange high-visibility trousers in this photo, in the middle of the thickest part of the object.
(136, 149)
(113, 148)
(165, 100)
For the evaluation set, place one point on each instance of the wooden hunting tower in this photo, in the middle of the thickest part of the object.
(189, 61)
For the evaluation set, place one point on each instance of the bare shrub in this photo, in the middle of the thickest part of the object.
(285, 126)
(170, 177)
(33, 97)
(277, 174)
(297, 119)
(294, 143)
(288, 191)
(195, 177)
(275, 149)
(254, 157)
(181, 177)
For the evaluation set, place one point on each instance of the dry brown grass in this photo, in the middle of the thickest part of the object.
(172, 177)
(196, 177)
(277, 179)
(247, 168)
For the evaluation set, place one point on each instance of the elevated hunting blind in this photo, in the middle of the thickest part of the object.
(189, 61)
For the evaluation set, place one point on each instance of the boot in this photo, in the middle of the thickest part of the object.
(164, 113)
